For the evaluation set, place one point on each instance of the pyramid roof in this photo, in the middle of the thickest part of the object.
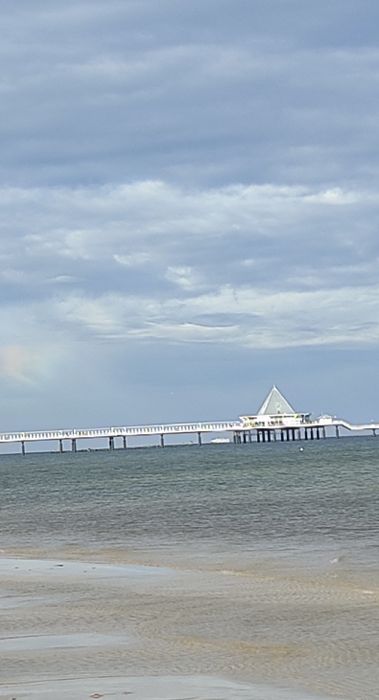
(275, 404)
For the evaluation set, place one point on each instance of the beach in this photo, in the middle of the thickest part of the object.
(72, 626)
(183, 617)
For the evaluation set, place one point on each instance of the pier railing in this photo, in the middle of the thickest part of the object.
(122, 431)
(242, 431)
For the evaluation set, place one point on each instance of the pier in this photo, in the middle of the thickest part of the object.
(276, 420)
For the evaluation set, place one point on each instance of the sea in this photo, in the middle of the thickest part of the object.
(256, 565)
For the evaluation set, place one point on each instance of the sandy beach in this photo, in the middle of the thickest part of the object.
(78, 629)
(151, 688)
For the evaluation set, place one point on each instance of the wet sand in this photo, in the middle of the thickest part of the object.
(78, 628)
(153, 688)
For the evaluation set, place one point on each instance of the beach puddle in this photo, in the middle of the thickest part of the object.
(46, 642)
(54, 569)
(10, 602)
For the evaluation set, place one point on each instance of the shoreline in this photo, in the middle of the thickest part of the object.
(332, 565)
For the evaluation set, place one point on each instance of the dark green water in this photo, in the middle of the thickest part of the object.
(248, 498)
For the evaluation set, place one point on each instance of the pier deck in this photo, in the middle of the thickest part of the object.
(240, 430)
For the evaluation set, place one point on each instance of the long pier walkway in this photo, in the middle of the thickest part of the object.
(242, 431)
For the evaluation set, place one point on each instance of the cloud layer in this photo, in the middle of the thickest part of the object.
(262, 266)
(195, 174)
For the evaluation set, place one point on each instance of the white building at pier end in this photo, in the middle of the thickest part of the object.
(275, 412)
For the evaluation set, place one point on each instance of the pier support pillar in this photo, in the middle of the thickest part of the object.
(124, 443)
(22, 447)
(312, 434)
(305, 433)
(282, 435)
(258, 435)
(250, 436)
(374, 432)
(274, 435)
(318, 433)
(337, 431)
(162, 440)
(60, 445)
(111, 443)
(73, 444)
(323, 431)
(199, 438)
(269, 435)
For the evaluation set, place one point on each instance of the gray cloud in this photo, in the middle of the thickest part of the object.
(150, 260)
(185, 175)
(188, 92)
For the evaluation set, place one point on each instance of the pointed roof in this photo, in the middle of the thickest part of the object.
(275, 404)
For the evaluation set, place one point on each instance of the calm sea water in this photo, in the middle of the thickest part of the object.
(215, 499)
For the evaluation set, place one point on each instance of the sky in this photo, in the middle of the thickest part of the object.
(188, 209)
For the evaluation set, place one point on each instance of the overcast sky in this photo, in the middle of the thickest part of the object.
(188, 209)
